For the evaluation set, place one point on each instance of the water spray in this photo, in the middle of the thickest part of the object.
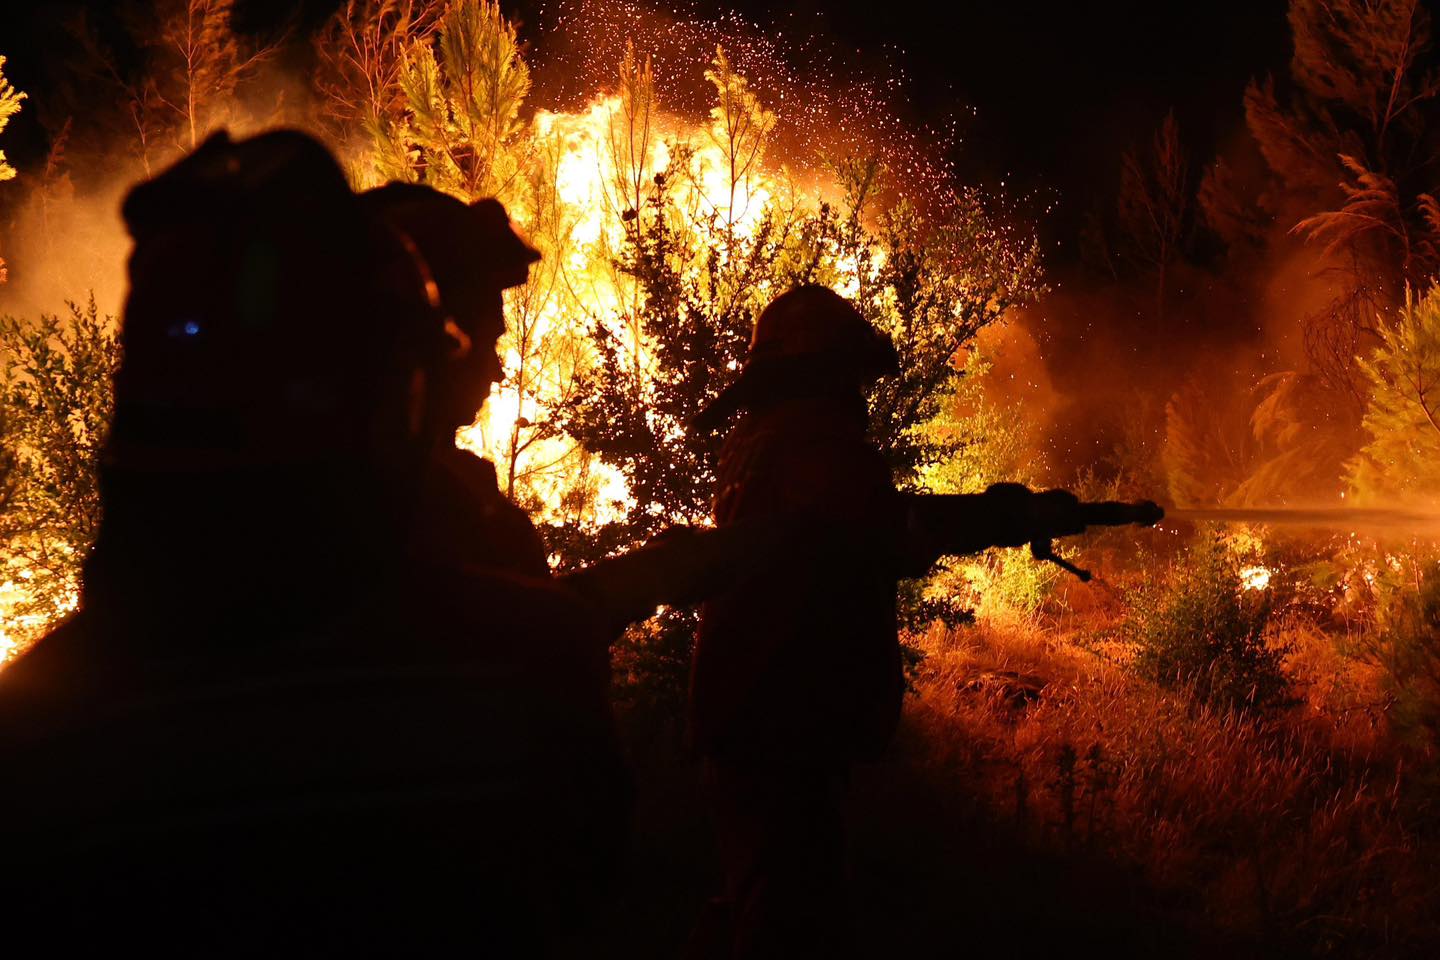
(1338, 518)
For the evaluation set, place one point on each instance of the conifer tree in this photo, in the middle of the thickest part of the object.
(1153, 209)
(1401, 458)
(361, 54)
(460, 127)
(184, 80)
(9, 106)
(1349, 150)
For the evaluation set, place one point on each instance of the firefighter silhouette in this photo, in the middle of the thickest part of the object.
(468, 255)
(273, 726)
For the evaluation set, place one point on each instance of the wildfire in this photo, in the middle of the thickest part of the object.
(602, 172)
(20, 620)
(1255, 578)
(709, 159)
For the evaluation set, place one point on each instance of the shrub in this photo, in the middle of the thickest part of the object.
(1408, 648)
(1203, 630)
(55, 407)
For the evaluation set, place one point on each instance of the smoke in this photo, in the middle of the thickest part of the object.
(106, 99)
(1229, 327)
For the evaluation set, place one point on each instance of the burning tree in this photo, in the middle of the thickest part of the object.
(55, 406)
(663, 235)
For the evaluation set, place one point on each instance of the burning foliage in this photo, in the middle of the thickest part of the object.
(1249, 721)
(663, 231)
(56, 400)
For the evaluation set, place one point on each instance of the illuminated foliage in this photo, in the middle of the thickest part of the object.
(9, 106)
(460, 126)
(1274, 444)
(1408, 647)
(1349, 153)
(361, 52)
(184, 84)
(1202, 630)
(1402, 455)
(55, 407)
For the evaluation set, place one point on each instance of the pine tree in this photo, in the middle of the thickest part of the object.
(1402, 456)
(182, 78)
(1153, 209)
(361, 55)
(9, 106)
(1208, 452)
(460, 129)
(199, 62)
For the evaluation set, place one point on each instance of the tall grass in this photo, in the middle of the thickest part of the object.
(1292, 831)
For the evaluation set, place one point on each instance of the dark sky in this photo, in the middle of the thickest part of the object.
(1058, 88)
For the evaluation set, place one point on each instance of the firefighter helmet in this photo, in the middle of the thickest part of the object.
(810, 334)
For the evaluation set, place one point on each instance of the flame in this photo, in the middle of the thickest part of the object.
(20, 623)
(597, 173)
(601, 179)
(1254, 578)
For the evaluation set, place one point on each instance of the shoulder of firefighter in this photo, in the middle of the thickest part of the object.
(466, 520)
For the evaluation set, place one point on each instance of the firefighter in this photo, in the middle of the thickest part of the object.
(797, 673)
(271, 728)
(468, 256)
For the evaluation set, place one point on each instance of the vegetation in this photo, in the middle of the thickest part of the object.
(9, 106)
(1202, 630)
(1287, 836)
(1407, 646)
(55, 407)
(1401, 459)
(1258, 751)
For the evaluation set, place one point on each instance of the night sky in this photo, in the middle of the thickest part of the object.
(1047, 94)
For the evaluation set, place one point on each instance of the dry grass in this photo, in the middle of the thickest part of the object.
(1291, 832)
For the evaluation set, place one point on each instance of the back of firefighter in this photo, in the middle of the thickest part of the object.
(797, 672)
(269, 730)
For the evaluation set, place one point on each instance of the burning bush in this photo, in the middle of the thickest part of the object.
(664, 230)
(1204, 630)
(55, 406)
